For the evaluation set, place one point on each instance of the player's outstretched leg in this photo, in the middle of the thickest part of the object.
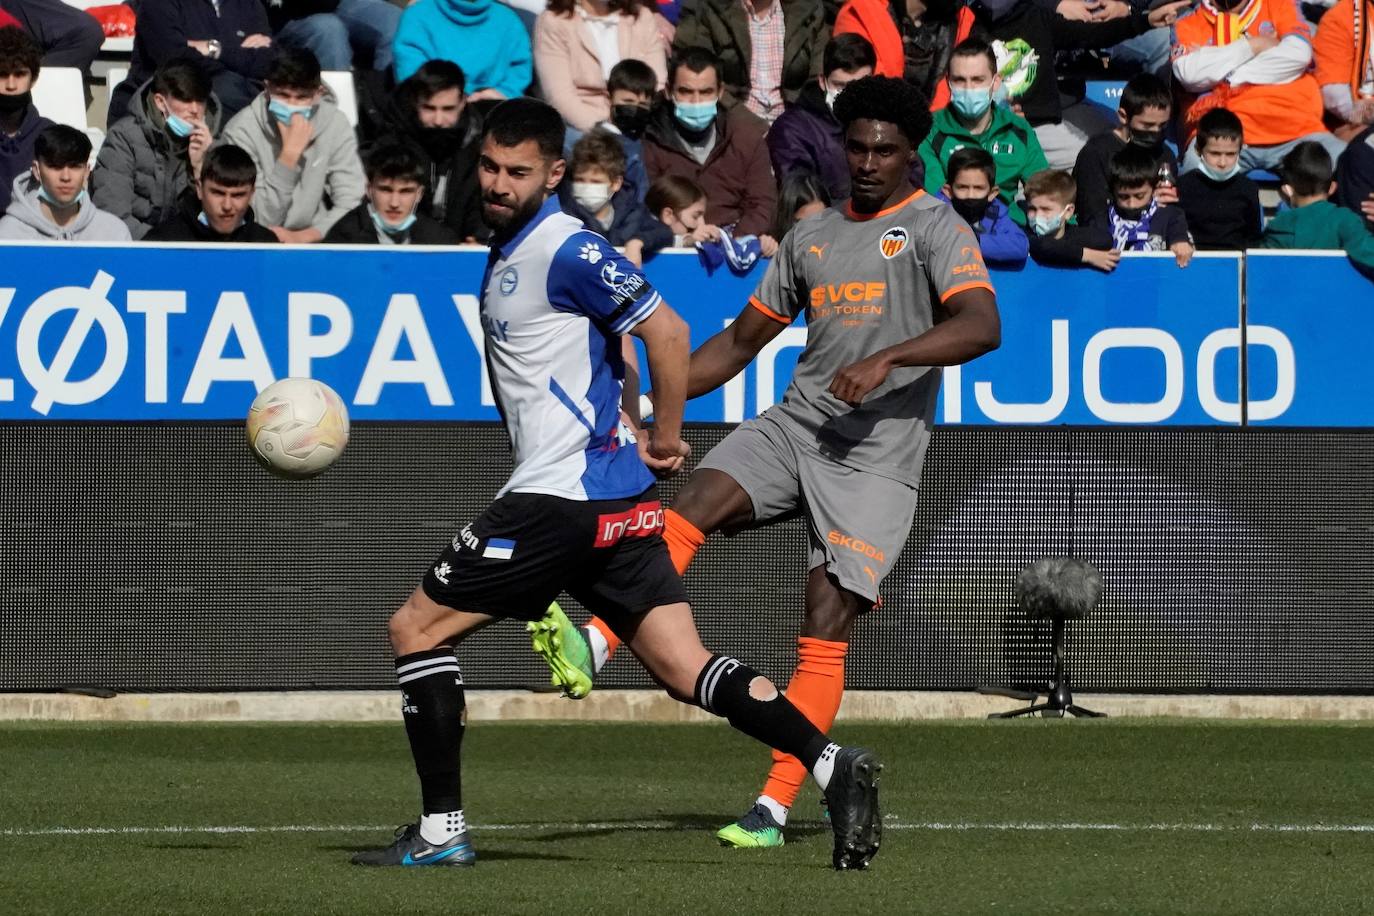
(666, 641)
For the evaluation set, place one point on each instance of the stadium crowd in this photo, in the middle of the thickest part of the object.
(704, 123)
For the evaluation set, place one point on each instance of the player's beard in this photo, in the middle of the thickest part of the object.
(506, 223)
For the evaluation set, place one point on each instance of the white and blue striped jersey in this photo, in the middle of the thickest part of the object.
(555, 300)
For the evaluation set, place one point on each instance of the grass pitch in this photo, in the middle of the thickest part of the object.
(1116, 816)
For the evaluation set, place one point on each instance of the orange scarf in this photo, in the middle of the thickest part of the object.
(1362, 46)
(1230, 26)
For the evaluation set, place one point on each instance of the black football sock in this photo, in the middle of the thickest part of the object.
(434, 706)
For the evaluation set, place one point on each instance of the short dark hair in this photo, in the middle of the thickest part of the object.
(884, 98)
(672, 192)
(1142, 91)
(433, 77)
(971, 157)
(395, 159)
(599, 149)
(1130, 167)
(798, 188)
(516, 120)
(1054, 183)
(847, 52)
(696, 60)
(976, 47)
(1219, 124)
(60, 145)
(183, 79)
(1307, 169)
(632, 75)
(19, 52)
(229, 166)
(295, 68)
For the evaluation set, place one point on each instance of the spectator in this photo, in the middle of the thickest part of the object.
(335, 29)
(680, 204)
(767, 49)
(304, 149)
(973, 119)
(1312, 220)
(578, 42)
(973, 193)
(1355, 177)
(151, 155)
(1222, 205)
(50, 202)
(633, 85)
(1344, 56)
(231, 38)
(911, 38)
(20, 122)
(67, 35)
(391, 213)
(1257, 67)
(1028, 35)
(219, 205)
(1135, 219)
(807, 137)
(723, 150)
(801, 195)
(1144, 113)
(483, 37)
(600, 199)
(1054, 239)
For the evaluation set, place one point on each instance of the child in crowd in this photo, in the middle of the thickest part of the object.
(972, 190)
(1135, 220)
(50, 201)
(680, 204)
(1054, 239)
(1144, 114)
(801, 195)
(600, 199)
(1312, 220)
(632, 85)
(1222, 205)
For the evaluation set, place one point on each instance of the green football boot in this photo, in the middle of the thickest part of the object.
(564, 648)
(755, 830)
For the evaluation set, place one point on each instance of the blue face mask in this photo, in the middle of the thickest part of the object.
(1047, 225)
(383, 226)
(971, 103)
(695, 115)
(51, 201)
(283, 112)
(179, 127)
(1227, 175)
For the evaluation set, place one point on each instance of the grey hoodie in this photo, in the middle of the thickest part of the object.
(25, 220)
(326, 183)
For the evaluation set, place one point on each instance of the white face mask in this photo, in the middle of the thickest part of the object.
(831, 94)
(591, 195)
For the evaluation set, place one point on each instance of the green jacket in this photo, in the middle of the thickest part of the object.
(1321, 225)
(1009, 138)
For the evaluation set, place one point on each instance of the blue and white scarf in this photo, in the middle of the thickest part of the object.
(1132, 234)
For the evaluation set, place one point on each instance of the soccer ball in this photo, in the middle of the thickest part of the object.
(297, 427)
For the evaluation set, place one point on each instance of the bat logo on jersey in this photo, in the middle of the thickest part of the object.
(611, 275)
(893, 242)
(643, 521)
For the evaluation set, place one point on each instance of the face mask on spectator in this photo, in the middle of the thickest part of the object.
(972, 209)
(831, 94)
(1227, 175)
(283, 112)
(51, 201)
(9, 104)
(971, 103)
(179, 126)
(695, 115)
(591, 195)
(383, 226)
(1150, 139)
(630, 120)
(1048, 225)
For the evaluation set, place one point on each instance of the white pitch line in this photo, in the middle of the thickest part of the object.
(672, 826)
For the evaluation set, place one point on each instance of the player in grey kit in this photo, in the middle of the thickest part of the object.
(893, 286)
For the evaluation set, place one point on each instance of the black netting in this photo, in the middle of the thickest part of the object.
(159, 557)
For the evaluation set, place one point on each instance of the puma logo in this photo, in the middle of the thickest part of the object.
(819, 252)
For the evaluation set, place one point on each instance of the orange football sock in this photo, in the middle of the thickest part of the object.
(816, 689)
(684, 540)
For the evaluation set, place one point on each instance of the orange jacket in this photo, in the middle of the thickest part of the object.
(1270, 113)
(1342, 47)
(872, 19)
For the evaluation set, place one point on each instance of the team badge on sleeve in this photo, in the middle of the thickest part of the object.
(893, 242)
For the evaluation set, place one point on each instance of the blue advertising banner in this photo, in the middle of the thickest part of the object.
(1310, 324)
(185, 332)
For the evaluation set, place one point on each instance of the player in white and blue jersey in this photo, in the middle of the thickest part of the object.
(580, 512)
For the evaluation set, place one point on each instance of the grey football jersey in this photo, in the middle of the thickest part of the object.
(867, 282)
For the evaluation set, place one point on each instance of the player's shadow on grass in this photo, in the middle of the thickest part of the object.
(485, 853)
(667, 823)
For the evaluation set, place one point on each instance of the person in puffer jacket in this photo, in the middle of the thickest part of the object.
(50, 202)
(152, 154)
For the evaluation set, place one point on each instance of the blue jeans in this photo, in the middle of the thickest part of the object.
(1269, 157)
(368, 25)
(1149, 52)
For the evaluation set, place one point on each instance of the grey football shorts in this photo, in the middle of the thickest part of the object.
(857, 521)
